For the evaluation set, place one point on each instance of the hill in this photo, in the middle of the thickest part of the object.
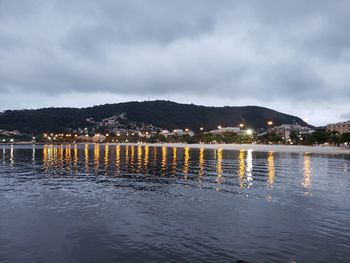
(162, 114)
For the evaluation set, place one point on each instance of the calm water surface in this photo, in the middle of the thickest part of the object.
(112, 203)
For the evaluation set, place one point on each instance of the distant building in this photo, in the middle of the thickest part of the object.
(226, 129)
(99, 138)
(285, 130)
(9, 133)
(144, 135)
(341, 127)
(180, 132)
(83, 138)
(236, 130)
(165, 133)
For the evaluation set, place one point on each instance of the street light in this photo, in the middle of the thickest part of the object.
(241, 125)
(201, 128)
(219, 127)
(187, 130)
(249, 132)
(270, 123)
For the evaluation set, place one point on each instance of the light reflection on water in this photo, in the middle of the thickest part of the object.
(271, 168)
(220, 205)
(307, 171)
(117, 159)
(111, 159)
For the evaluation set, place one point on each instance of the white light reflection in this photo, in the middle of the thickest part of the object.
(249, 168)
(12, 161)
(307, 171)
(33, 155)
(3, 154)
(271, 168)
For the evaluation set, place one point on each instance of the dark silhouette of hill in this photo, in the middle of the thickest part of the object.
(164, 114)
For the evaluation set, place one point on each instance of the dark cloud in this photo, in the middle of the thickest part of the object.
(294, 51)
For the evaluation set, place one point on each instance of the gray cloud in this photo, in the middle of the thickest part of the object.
(294, 51)
(346, 116)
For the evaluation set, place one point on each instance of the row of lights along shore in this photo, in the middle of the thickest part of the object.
(55, 136)
(52, 136)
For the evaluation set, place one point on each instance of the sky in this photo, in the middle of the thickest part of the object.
(291, 56)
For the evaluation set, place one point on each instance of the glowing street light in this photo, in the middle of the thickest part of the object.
(270, 123)
(219, 127)
(187, 130)
(241, 125)
(249, 132)
(201, 128)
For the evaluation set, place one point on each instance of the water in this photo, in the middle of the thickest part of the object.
(111, 203)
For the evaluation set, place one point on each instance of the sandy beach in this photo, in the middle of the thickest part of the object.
(259, 147)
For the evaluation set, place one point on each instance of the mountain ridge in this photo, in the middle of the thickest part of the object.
(159, 113)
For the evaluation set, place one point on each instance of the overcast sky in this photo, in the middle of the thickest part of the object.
(292, 56)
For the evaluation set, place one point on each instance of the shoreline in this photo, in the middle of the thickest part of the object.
(235, 147)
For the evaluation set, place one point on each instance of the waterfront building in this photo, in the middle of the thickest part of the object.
(9, 133)
(340, 127)
(221, 130)
(180, 132)
(236, 130)
(99, 138)
(165, 133)
(83, 138)
(285, 130)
